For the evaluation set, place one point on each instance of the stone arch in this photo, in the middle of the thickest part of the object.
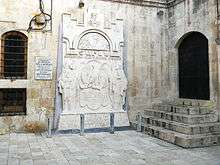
(94, 40)
(193, 66)
(181, 38)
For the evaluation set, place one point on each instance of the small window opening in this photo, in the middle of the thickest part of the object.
(13, 56)
(12, 102)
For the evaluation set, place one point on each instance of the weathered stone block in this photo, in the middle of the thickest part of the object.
(196, 128)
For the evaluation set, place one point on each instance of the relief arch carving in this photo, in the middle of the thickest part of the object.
(93, 34)
(93, 82)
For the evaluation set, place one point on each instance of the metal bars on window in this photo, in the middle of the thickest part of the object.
(13, 62)
(12, 102)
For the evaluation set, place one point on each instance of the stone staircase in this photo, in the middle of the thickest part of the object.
(186, 123)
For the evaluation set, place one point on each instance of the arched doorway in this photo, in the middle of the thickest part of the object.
(194, 67)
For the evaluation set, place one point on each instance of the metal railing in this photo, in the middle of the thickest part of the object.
(82, 125)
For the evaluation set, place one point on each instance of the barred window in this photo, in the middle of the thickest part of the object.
(13, 64)
(12, 102)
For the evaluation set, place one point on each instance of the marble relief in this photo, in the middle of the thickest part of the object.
(94, 41)
(92, 79)
(90, 83)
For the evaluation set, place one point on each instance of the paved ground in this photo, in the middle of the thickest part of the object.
(121, 148)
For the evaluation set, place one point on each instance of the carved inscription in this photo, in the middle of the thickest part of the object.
(43, 68)
(94, 54)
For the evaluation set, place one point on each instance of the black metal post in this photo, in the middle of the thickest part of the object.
(139, 122)
(82, 121)
(112, 123)
(49, 120)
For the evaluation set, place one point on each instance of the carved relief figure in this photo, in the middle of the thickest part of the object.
(64, 90)
(119, 87)
(73, 85)
(67, 87)
(93, 20)
(94, 83)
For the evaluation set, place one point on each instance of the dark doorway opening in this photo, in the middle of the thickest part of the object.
(194, 67)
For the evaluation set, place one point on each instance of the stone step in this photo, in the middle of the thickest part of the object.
(181, 127)
(188, 110)
(189, 102)
(182, 118)
(186, 141)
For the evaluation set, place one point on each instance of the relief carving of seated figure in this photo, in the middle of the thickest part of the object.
(93, 85)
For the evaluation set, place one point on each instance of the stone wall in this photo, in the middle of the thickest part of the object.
(144, 31)
(16, 15)
(151, 32)
(188, 16)
(145, 35)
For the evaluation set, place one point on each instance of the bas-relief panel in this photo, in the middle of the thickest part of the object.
(94, 41)
(94, 85)
(92, 79)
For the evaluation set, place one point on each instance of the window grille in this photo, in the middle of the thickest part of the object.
(13, 64)
(12, 102)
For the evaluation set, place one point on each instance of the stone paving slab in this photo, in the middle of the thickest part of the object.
(121, 148)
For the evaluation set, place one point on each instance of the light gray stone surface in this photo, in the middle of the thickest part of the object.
(142, 34)
(151, 34)
(92, 81)
(92, 120)
(186, 125)
(121, 148)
